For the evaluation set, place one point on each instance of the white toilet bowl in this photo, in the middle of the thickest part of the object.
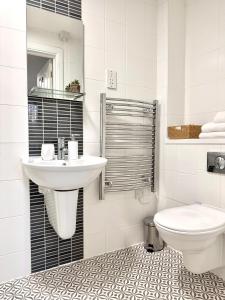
(197, 231)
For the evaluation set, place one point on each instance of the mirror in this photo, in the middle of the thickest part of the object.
(196, 62)
(54, 51)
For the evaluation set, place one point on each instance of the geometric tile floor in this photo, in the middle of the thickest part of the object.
(130, 273)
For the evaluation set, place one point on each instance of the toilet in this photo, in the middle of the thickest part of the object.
(197, 231)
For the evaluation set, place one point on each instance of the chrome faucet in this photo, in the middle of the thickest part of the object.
(61, 148)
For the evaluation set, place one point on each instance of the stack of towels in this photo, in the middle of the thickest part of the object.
(215, 129)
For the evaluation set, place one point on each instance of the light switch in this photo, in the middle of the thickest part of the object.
(111, 78)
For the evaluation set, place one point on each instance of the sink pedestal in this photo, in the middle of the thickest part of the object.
(62, 210)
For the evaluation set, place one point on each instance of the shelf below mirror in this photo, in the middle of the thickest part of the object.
(54, 94)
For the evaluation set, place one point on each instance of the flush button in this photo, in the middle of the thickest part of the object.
(220, 163)
(216, 162)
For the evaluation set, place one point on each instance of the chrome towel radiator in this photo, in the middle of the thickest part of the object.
(128, 141)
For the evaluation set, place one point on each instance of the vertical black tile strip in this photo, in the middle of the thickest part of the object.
(52, 244)
(49, 5)
(76, 121)
(70, 8)
(37, 221)
(35, 126)
(48, 120)
(62, 7)
(77, 239)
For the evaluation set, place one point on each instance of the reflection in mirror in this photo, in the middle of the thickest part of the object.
(54, 52)
(40, 71)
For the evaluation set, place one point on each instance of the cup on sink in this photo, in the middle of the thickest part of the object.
(47, 151)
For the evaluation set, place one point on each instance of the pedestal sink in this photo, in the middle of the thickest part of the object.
(59, 181)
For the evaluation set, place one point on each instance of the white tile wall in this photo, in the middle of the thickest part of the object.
(13, 47)
(11, 206)
(14, 199)
(14, 265)
(204, 60)
(11, 77)
(119, 35)
(13, 14)
(183, 175)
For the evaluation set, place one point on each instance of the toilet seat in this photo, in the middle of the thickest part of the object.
(191, 219)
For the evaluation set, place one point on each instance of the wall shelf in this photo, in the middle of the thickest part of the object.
(195, 141)
(54, 94)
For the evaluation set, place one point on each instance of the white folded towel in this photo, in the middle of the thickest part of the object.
(212, 135)
(213, 127)
(220, 117)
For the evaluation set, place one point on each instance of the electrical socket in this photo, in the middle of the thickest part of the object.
(111, 79)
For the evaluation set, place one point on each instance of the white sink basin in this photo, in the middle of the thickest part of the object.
(63, 174)
(59, 181)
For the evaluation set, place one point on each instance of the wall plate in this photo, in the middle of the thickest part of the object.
(216, 162)
(111, 79)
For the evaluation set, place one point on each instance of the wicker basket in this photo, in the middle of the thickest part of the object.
(184, 132)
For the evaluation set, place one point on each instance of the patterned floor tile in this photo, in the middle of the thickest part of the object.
(130, 273)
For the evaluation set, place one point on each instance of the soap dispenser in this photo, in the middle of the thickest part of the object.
(73, 148)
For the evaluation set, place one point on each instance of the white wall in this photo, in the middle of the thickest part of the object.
(119, 35)
(197, 79)
(176, 62)
(183, 175)
(14, 198)
(205, 59)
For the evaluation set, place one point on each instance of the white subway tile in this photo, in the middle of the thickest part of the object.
(10, 160)
(170, 157)
(202, 26)
(209, 188)
(127, 211)
(122, 237)
(12, 235)
(204, 68)
(140, 92)
(115, 10)
(12, 48)
(94, 244)
(93, 89)
(16, 78)
(141, 71)
(165, 203)
(120, 92)
(15, 121)
(95, 217)
(96, 7)
(91, 127)
(202, 98)
(14, 265)
(91, 148)
(94, 63)
(91, 193)
(14, 198)
(13, 14)
(94, 32)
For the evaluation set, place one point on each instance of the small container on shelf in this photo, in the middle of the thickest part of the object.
(184, 132)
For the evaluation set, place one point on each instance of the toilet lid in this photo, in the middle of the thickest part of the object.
(191, 218)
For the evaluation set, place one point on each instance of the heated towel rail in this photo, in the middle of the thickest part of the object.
(128, 141)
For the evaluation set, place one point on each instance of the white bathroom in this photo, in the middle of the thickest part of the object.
(112, 149)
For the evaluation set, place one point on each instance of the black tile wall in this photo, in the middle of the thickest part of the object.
(48, 120)
(70, 8)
